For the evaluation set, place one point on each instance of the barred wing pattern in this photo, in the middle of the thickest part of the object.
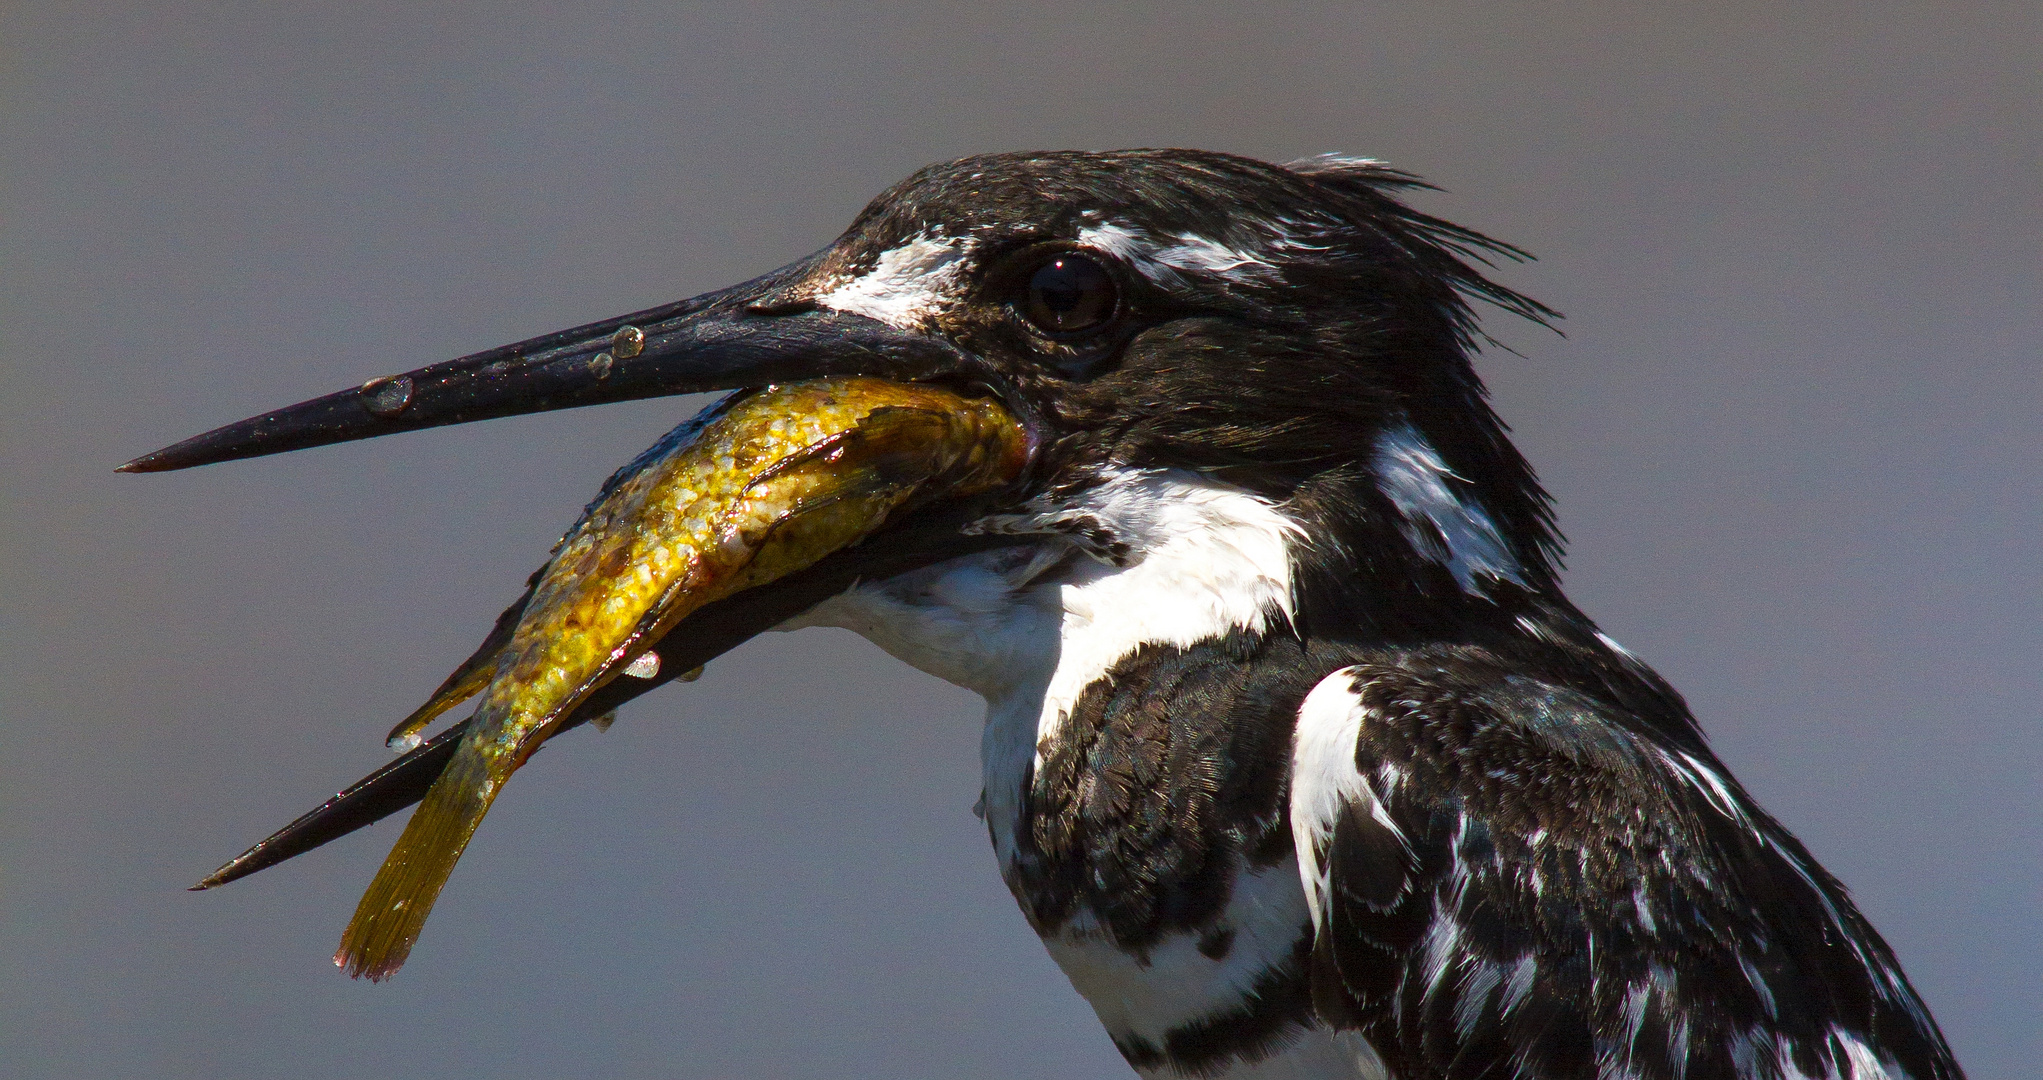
(1508, 880)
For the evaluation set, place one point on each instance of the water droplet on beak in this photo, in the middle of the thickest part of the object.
(628, 342)
(387, 396)
(599, 365)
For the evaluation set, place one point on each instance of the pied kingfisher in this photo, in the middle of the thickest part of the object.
(1296, 756)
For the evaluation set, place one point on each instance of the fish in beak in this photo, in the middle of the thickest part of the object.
(760, 487)
(843, 427)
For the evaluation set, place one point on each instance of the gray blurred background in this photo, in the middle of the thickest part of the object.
(1792, 430)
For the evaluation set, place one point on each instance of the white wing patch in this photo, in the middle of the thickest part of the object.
(1441, 526)
(1324, 777)
(908, 285)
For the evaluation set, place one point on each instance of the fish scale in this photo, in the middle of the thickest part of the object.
(771, 483)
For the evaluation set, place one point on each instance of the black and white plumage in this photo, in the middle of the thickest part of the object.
(1326, 751)
(1296, 755)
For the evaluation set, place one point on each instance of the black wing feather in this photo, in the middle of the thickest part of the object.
(1523, 885)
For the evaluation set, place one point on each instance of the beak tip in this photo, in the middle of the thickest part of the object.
(168, 459)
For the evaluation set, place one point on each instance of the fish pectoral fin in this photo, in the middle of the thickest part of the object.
(467, 680)
(394, 909)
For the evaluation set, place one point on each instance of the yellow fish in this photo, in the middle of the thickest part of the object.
(762, 485)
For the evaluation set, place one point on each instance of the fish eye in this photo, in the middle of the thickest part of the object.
(1069, 294)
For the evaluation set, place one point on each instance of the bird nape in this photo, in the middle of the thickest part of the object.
(1296, 756)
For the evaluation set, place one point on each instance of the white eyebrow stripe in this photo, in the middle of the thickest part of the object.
(1165, 261)
(908, 285)
(1117, 240)
(1192, 252)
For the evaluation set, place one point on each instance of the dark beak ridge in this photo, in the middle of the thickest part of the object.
(719, 341)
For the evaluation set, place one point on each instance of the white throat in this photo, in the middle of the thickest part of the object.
(1029, 628)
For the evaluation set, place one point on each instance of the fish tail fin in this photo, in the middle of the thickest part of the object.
(394, 909)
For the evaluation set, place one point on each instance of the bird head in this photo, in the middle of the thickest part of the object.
(1296, 331)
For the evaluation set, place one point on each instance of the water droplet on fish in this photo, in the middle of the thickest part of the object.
(691, 674)
(645, 666)
(387, 395)
(628, 342)
(604, 721)
(405, 744)
(599, 365)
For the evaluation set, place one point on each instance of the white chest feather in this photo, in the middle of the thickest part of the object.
(1029, 628)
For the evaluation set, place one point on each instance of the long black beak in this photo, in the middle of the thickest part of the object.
(747, 335)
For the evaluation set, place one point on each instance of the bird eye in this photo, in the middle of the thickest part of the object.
(1070, 294)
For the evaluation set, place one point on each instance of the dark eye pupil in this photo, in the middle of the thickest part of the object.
(1068, 294)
